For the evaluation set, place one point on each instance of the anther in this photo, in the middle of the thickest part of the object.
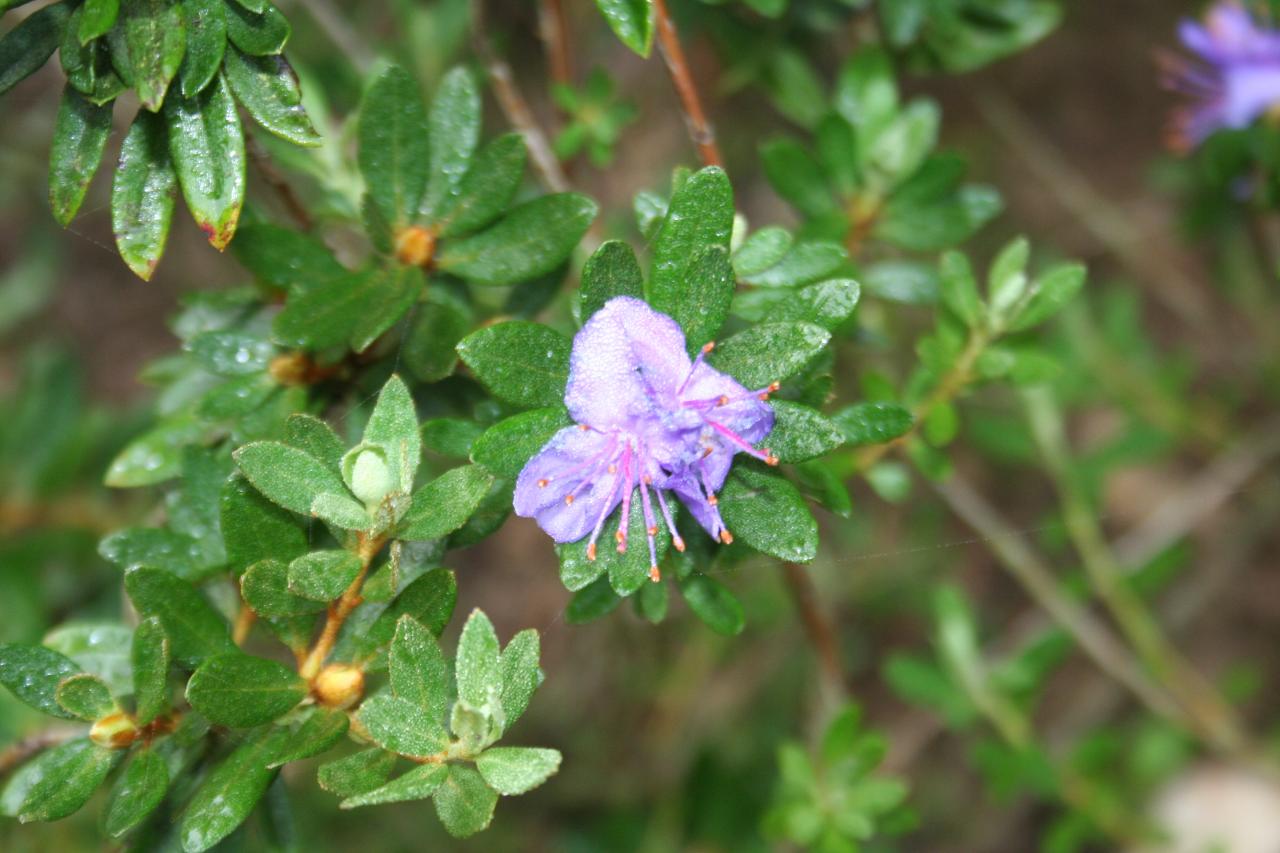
(769, 458)
(679, 543)
(613, 469)
(652, 530)
(542, 484)
(654, 574)
(712, 499)
(723, 401)
(726, 537)
(583, 427)
(708, 346)
(591, 552)
(568, 499)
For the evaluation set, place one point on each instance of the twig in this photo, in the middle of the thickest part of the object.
(513, 104)
(340, 610)
(275, 180)
(553, 27)
(17, 753)
(818, 629)
(700, 130)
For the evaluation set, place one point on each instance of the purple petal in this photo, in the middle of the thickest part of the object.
(573, 461)
(627, 359)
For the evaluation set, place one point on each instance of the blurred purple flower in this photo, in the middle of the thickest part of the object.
(648, 419)
(1236, 79)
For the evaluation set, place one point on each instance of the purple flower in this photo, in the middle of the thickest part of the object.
(649, 420)
(1236, 80)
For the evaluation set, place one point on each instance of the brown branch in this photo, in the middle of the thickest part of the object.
(817, 627)
(340, 610)
(700, 130)
(553, 27)
(274, 179)
(513, 104)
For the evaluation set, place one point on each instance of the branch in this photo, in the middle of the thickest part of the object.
(17, 753)
(277, 182)
(513, 104)
(818, 628)
(700, 130)
(340, 610)
(553, 27)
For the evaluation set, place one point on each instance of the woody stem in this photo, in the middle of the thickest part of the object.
(366, 549)
(700, 130)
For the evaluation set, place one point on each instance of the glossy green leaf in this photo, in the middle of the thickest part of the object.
(454, 131)
(394, 151)
(33, 673)
(531, 240)
(479, 671)
(772, 352)
(766, 512)
(320, 730)
(398, 725)
(612, 271)
(805, 263)
(156, 547)
(285, 258)
(505, 447)
(356, 774)
(30, 44)
(156, 37)
(79, 137)
(487, 188)
(99, 648)
(651, 602)
(149, 655)
(230, 791)
(395, 289)
(97, 18)
(824, 303)
(521, 675)
(66, 779)
(268, 88)
(242, 691)
(761, 250)
(430, 600)
(418, 669)
(142, 195)
(524, 363)
(873, 423)
(801, 433)
(323, 575)
(416, 784)
(714, 604)
(464, 802)
(443, 505)
(255, 529)
(959, 288)
(452, 437)
(797, 176)
(700, 216)
(512, 770)
(627, 570)
(439, 322)
(194, 628)
(632, 21)
(315, 437)
(84, 697)
(258, 33)
(591, 602)
(709, 284)
(206, 142)
(140, 788)
(265, 588)
(206, 44)
(352, 309)
(288, 476)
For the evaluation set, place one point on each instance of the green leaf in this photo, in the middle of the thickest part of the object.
(866, 93)
(801, 433)
(142, 195)
(255, 529)
(531, 240)
(651, 602)
(312, 435)
(479, 671)
(429, 599)
(443, 505)
(394, 150)
(959, 288)
(488, 187)
(356, 774)
(97, 18)
(453, 437)
(206, 44)
(268, 88)
(323, 575)
(612, 271)
(320, 730)
(99, 648)
(454, 124)
(632, 21)
(230, 792)
(207, 146)
(708, 292)
(714, 604)
(399, 725)
(242, 691)
(265, 588)
(258, 33)
(873, 423)
(591, 602)
(285, 258)
(85, 697)
(79, 137)
(512, 770)
(150, 658)
(63, 779)
(30, 44)
(826, 303)
(767, 513)
(464, 802)
(140, 788)
(797, 176)
(1050, 292)
(805, 263)
(394, 426)
(699, 216)
(1007, 279)
(418, 669)
(288, 476)
(417, 784)
(505, 447)
(33, 673)
(526, 364)
(770, 352)
(429, 346)
(155, 33)
(762, 250)
(158, 548)
(521, 674)
(194, 628)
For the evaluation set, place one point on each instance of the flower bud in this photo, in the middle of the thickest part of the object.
(114, 731)
(368, 475)
(339, 685)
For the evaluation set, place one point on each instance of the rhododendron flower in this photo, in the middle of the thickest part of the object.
(650, 421)
(1236, 80)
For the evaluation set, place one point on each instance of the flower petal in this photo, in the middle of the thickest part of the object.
(573, 462)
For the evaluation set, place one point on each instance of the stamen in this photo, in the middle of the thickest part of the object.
(671, 525)
(654, 574)
(542, 484)
(604, 513)
(763, 455)
(568, 499)
(725, 399)
(725, 536)
(608, 451)
(693, 368)
(651, 528)
(624, 522)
